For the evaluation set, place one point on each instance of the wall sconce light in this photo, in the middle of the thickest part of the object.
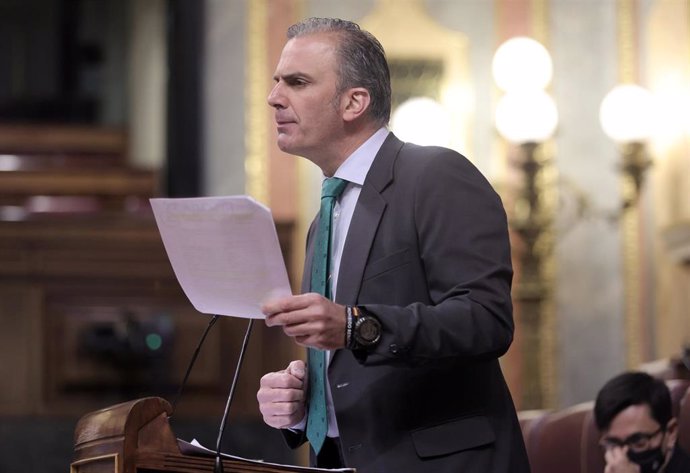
(533, 222)
(528, 119)
(423, 121)
(527, 116)
(522, 63)
(627, 116)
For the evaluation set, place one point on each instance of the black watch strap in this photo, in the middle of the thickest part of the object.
(363, 330)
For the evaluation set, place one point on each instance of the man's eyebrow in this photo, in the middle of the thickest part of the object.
(291, 77)
(611, 438)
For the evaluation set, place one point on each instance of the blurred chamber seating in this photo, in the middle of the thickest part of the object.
(68, 169)
(566, 440)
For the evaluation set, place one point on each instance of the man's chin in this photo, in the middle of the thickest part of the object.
(286, 146)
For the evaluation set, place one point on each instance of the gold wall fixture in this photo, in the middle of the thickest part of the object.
(426, 59)
(256, 112)
(667, 74)
(629, 222)
(547, 329)
(634, 165)
(627, 44)
(532, 219)
(540, 20)
(527, 117)
(635, 162)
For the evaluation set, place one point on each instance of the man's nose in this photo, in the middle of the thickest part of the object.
(275, 97)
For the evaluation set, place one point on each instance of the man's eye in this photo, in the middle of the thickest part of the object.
(297, 82)
(610, 443)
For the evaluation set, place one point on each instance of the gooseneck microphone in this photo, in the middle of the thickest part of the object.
(191, 363)
(218, 466)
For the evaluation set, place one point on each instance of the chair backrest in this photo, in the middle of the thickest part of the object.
(529, 424)
(684, 421)
(592, 455)
(557, 440)
(677, 388)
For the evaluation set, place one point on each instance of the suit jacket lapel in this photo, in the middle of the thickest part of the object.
(365, 221)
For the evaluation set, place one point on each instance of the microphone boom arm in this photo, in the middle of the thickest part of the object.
(218, 466)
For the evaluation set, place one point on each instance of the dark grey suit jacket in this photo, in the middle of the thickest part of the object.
(427, 252)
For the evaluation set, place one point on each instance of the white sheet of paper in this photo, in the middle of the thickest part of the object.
(224, 251)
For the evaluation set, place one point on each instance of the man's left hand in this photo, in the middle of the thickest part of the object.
(311, 319)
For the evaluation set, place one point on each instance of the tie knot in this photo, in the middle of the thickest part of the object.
(332, 187)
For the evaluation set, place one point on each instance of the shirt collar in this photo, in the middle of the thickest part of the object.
(356, 166)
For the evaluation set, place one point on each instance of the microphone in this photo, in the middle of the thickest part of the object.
(218, 466)
(191, 363)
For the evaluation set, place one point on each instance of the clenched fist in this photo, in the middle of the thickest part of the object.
(281, 396)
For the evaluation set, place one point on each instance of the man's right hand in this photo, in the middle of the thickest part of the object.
(281, 396)
(617, 462)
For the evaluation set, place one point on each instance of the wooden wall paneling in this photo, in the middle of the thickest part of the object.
(77, 297)
(20, 347)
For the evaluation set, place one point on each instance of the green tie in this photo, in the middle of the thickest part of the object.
(317, 420)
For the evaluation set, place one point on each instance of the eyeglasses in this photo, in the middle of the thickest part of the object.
(637, 442)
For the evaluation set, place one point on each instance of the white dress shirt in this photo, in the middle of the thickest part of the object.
(354, 170)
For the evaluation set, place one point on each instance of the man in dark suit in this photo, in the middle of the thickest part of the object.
(421, 277)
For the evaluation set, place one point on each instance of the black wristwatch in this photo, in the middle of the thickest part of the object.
(366, 331)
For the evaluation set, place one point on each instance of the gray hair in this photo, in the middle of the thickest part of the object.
(361, 58)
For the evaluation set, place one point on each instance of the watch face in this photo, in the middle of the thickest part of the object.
(368, 330)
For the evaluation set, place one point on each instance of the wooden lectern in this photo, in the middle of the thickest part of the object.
(136, 437)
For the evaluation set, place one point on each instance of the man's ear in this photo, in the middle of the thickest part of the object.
(671, 433)
(355, 103)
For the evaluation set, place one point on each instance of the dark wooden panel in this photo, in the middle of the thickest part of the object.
(57, 140)
(78, 298)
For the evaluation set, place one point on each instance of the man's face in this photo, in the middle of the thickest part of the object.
(633, 432)
(307, 111)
